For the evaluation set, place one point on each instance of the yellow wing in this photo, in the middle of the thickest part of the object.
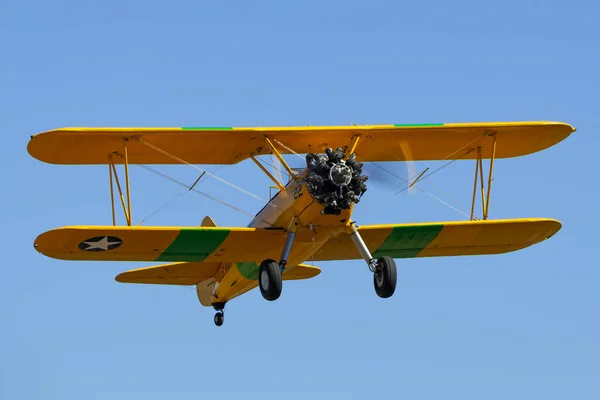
(201, 145)
(442, 238)
(191, 273)
(154, 243)
(211, 244)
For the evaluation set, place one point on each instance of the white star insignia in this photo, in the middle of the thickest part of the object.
(102, 244)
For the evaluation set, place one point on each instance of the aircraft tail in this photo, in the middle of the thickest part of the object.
(208, 221)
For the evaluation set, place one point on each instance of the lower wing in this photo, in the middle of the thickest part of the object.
(212, 244)
(440, 239)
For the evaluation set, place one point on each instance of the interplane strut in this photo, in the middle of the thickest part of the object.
(485, 199)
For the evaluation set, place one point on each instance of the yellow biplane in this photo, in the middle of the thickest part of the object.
(310, 216)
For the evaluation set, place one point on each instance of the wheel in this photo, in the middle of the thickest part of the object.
(219, 318)
(384, 278)
(269, 279)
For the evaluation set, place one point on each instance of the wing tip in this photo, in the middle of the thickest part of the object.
(301, 272)
(554, 227)
(122, 278)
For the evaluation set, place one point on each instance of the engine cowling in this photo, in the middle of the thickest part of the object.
(334, 182)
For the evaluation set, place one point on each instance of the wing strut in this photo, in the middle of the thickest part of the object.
(266, 171)
(280, 158)
(355, 140)
(114, 172)
(489, 189)
(485, 200)
(112, 194)
(475, 183)
(129, 219)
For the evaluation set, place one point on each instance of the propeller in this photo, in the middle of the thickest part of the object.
(392, 175)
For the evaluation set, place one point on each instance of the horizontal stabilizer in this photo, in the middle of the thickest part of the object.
(301, 271)
(185, 273)
(194, 272)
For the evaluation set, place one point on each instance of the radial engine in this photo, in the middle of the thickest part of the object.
(333, 181)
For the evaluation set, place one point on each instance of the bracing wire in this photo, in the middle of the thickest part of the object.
(199, 169)
(287, 148)
(269, 204)
(418, 188)
(430, 174)
(279, 171)
(174, 198)
(177, 196)
(199, 191)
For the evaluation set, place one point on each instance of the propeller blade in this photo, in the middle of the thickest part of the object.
(385, 173)
(394, 174)
(411, 169)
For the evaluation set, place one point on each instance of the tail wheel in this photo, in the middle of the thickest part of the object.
(270, 280)
(384, 278)
(219, 318)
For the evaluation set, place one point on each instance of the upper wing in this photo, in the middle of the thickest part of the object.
(152, 243)
(198, 145)
(442, 239)
(191, 273)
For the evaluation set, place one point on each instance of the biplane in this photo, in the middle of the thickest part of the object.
(310, 215)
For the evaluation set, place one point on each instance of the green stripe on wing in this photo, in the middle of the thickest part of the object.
(408, 241)
(193, 245)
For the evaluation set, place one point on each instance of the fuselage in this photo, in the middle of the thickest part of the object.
(292, 208)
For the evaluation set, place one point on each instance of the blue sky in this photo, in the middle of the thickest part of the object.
(519, 325)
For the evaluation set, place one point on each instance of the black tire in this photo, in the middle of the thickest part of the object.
(219, 319)
(384, 278)
(269, 279)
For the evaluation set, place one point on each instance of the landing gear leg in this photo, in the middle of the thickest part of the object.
(384, 269)
(220, 315)
(286, 250)
(270, 272)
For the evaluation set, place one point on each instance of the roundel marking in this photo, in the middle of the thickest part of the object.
(100, 243)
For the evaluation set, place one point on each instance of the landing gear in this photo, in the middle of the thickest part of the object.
(270, 272)
(270, 280)
(384, 269)
(220, 315)
(384, 277)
